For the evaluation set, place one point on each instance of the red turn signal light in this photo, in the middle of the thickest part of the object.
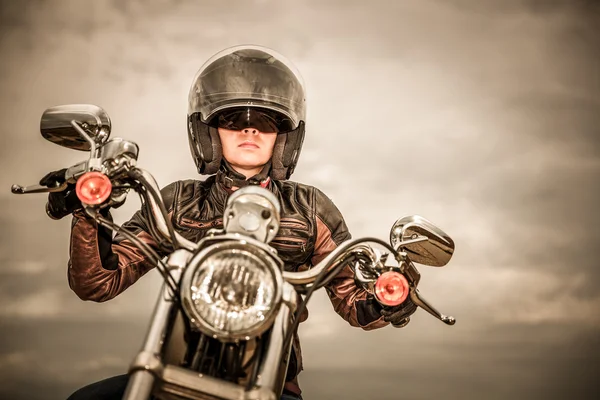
(93, 188)
(391, 288)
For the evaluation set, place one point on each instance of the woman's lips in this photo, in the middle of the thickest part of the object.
(249, 145)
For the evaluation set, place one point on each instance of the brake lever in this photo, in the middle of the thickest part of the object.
(421, 302)
(18, 189)
(413, 276)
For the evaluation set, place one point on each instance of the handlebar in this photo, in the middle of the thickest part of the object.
(304, 278)
(116, 159)
(122, 167)
(333, 260)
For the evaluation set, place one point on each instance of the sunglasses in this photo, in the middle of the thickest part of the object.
(266, 121)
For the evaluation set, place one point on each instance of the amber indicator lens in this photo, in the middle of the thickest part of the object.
(391, 288)
(93, 188)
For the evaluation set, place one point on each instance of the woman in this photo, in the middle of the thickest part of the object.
(246, 127)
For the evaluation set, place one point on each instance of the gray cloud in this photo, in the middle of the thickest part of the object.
(481, 116)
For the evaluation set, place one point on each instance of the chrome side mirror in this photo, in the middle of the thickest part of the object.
(423, 242)
(58, 126)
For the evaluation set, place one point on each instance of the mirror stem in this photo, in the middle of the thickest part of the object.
(410, 241)
(92, 143)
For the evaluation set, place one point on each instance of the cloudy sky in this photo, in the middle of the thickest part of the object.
(482, 116)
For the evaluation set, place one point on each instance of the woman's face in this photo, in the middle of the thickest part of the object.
(247, 150)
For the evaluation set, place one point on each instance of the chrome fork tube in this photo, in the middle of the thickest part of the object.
(139, 385)
(147, 364)
(269, 375)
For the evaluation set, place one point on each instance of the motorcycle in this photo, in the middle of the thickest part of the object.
(225, 317)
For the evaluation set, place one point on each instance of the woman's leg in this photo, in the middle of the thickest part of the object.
(107, 389)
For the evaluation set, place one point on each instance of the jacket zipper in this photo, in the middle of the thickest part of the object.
(293, 223)
(214, 223)
(290, 243)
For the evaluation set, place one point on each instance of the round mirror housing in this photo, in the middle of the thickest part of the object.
(424, 242)
(56, 126)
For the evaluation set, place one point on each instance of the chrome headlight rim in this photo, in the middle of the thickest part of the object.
(197, 262)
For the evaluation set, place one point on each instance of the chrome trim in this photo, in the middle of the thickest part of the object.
(56, 125)
(252, 211)
(71, 176)
(150, 376)
(197, 262)
(18, 189)
(161, 224)
(402, 323)
(398, 246)
(218, 236)
(119, 155)
(179, 260)
(117, 147)
(407, 235)
(289, 296)
(269, 374)
(309, 276)
(93, 145)
(146, 365)
(74, 172)
(366, 278)
(139, 385)
(421, 302)
(177, 383)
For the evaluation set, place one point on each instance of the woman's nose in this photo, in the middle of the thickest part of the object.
(252, 131)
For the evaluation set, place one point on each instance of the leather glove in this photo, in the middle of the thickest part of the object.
(399, 316)
(60, 204)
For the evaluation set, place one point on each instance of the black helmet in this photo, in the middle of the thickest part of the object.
(243, 81)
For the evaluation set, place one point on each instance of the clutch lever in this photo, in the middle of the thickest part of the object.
(18, 189)
(71, 175)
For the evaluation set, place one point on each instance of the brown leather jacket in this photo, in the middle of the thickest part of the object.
(101, 267)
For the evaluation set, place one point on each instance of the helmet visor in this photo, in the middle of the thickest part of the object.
(267, 121)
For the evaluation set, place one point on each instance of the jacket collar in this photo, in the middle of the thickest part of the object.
(229, 178)
(226, 178)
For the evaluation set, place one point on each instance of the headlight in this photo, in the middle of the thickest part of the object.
(231, 291)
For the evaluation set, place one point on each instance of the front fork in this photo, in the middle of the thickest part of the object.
(147, 366)
(147, 362)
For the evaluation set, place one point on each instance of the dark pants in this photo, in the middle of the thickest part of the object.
(114, 389)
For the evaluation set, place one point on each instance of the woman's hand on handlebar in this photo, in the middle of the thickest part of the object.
(399, 315)
(60, 204)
